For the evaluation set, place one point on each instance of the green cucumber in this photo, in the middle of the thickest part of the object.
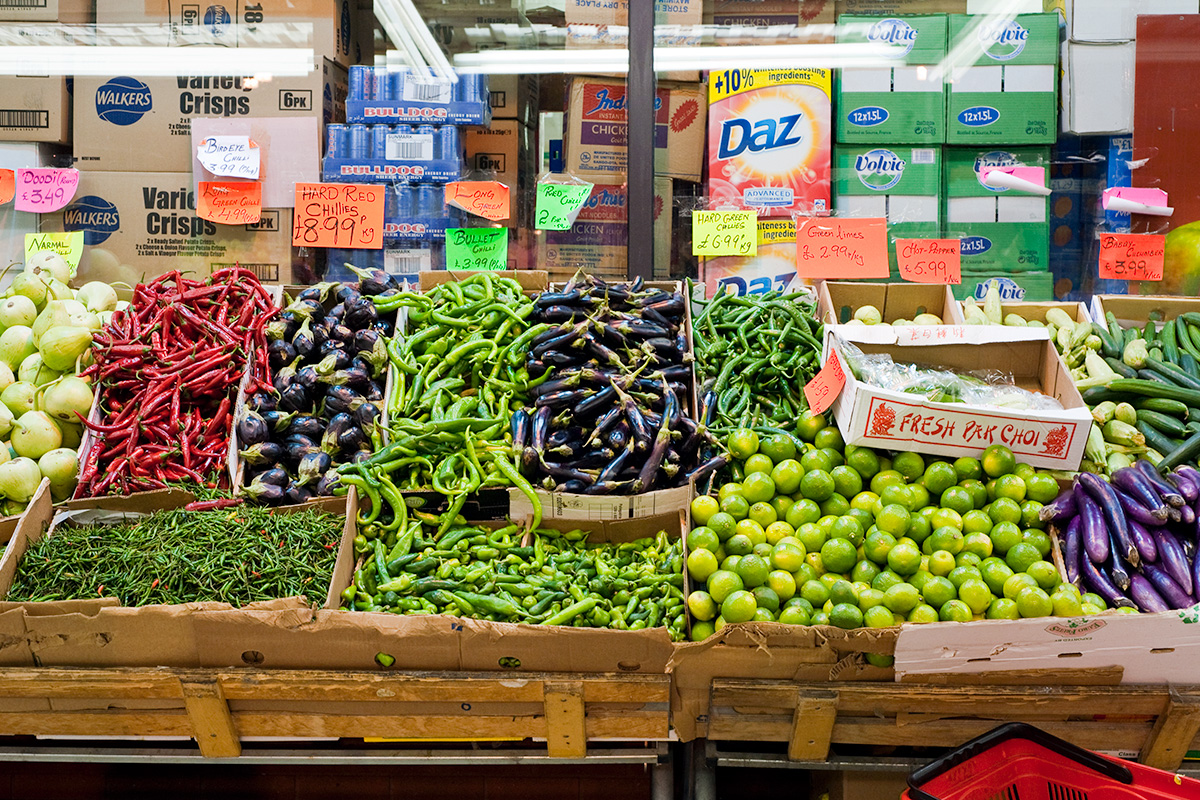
(1182, 454)
(1171, 426)
(1162, 405)
(1170, 348)
(1189, 364)
(1121, 368)
(1108, 345)
(1151, 389)
(1155, 439)
(1180, 376)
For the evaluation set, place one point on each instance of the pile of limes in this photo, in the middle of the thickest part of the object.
(828, 534)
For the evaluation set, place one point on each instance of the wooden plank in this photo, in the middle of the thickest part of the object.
(212, 724)
(1092, 676)
(566, 734)
(88, 683)
(96, 723)
(812, 726)
(1172, 734)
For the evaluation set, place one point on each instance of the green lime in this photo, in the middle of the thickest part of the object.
(809, 425)
(728, 489)
(921, 576)
(781, 503)
(1010, 486)
(968, 467)
(958, 499)
(765, 598)
(939, 476)
(758, 488)
(955, 611)
(786, 475)
(723, 583)
(1066, 605)
(948, 539)
(902, 598)
(846, 616)
(1005, 509)
(976, 594)
(976, 521)
(864, 461)
(1034, 602)
(938, 591)
(742, 443)
(736, 506)
(1018, 583)
(829, 438)
(701, 564)
(843, 592)
(757, 463)
(1041, 487)
(1094, 599)
(960, 575)
(811, 536)
(869, 598)
(995, 572)
(816, 459)
(1004, 535)
(763, 514)
(919, 528)
(793, 615)
(835, 457)
(1003, 608)
(703, 538)
(839, 555)
(946, 518)
(941, 562)
(965, 559)
(703, 507)
(886, 580)
(702, 606)
(817, 485)
(878, 617)
(978, 543)
(846, 481)
(701, 631)
(910, 465)
(877, 545)
(893, 519)
(1045, 573)
(739, 606)
(923, 615)
(904, 558)
(884, 478)
(788, 557)
(978, 492)
(739, 544)
(835, 505)
(819, 618)
(815, 592)
(1031, 515)
(864, 571)
(782, 584)
(723, 525)
(898, 495)
(1021, 555)
(998, 460)
(753, 570)
(778, 531)
(802, 511)
(1039, 539)
(848, 527)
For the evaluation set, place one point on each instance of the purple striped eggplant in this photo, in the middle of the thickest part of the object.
(1101, 584)
(1166, 586)
(1136, 512)
(1168, 492)
(1143, 540)
(1188, 481)
(1131, 482)
(1173, 560)
(1062, 508)
(1072, 549)
(1143, 593)
(1114, 517)
(1092, 530)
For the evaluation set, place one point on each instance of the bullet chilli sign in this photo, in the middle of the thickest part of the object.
(891, 422)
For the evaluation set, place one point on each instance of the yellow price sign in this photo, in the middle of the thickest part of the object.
(725, 233)
(69, 245)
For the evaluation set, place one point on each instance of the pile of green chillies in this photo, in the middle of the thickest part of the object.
(754, 354)
(556, 579)
(459, 372)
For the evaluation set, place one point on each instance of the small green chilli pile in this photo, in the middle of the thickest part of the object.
(556, 579)
(236, 556)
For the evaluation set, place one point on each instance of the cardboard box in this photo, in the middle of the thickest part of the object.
(1097, 87)
(1137, 310)
(598, 241)
(838, 300)
(139, 225)
(878, 785)
(898, 104)
(329, 27)
(35, 109)
(1001, 230)
(769, 140)
(1009, 93)
(875, 417)
(1014, 286)
(773, 268)
(504, 152)
(597, 133)
(77, 12)
(770, 13)
(116, 117)
(896, 7)
(514, 97)
(903, 184)
(616, 12)
(1115, 20)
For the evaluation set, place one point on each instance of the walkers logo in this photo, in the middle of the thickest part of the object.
(217, 20)
(895, 32)
(1002, 40)
(95, 216)
(123, 101)
(879, 169)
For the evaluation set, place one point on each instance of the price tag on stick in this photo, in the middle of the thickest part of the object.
(476, 248)
(346, 215)
(725, 233)
(828, 247)
(558, 204)
(826, 385)
(46, 189)
(929, 260)
(1132, 256)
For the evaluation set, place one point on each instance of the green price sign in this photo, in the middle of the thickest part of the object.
(476, 248)
(558, 203)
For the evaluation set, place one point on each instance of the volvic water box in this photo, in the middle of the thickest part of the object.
(1007, 90)
(902, 184)
(1002, 230)
(769, 139)
(900, 104)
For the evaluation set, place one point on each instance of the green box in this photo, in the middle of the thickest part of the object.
(902, 104)
(1002, 230)
(1014, 286)
(1009, 93)
(902, 183)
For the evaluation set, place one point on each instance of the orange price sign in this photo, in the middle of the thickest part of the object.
(1132, 256)
(8, 185)
(346, 215)
(830, 247)
(488, 199)
(929, 260)
(826, 385)
(230, 203)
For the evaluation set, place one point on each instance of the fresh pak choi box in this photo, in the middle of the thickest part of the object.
(1006, 92)
(1001, 230)
(769, 140)
(902, 184)
(899, 104)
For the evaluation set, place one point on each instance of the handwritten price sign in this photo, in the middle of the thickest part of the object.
(45, 189)
(338, 215)
(232, 156)
(8, 185)
(230, 203)
(488, 199)
(841, 248)
(476, 248)
(929, 260)
(1132, 256)
(826, 385)
(558, 204)
(725, 233)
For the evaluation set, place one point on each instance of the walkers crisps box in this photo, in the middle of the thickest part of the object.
(129, 124)
(597, 132)
(139, 224)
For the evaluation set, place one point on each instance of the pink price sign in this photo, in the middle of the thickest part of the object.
(44, 190)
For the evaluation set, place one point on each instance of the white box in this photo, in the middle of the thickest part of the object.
(875, 417)
(971, 209)
(866, 80)
(1116, 20)
(914, 79)
(1016, 208)
(977, 79)
(912, 208)
(1098, 87)
(870, 205)
(1029, 78)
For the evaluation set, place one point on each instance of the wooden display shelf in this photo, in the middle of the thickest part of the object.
(218, 706)
(1159, 722)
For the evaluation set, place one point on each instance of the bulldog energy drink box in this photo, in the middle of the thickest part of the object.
(769, 140)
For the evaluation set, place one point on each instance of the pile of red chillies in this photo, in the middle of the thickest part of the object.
(168, 369)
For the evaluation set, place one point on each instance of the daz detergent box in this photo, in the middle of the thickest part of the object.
(902, 184)
(899, 104)
(769, 140)
(1005, 92)
(1002, 230)
(773, 268)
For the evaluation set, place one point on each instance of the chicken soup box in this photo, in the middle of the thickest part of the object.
(895, 420)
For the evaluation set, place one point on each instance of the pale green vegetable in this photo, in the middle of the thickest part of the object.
(19, 479)
(68, 397)
(16, 344)
(34, 434)
(1134, 356)
(991, 303)
(868, 315)
(60, 347)
(1015, 320)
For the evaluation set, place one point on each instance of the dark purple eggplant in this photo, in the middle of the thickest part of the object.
(331, 363)
(1117, 569)
(563, 436)
(275, 477)
(280, 353)
(366, 415)
(374, 281)
(295, 494)
(539, 431)
(280, 383)
(1170, 591)
(306, 309)
(1187, 517)
(561, 400)
(373, 393)
(261, 454)
(1094, 534)
(320, 335)
(252, 429)
(262, 402)
(1165, 489)
(546, 299)
(328, 482)
(1172, 558)
(281, 329)
(559, 313)
(359, 315)
(1143, 540)
(308, 377)
(338, 424)
(662, 440)
(1072, 550)
(708, 409)
(1188, 481)
(347, 293)
(308, 426)
(573, 487)
(563, 340)
(602, 352)
(351, 439)
(1114, 517)
(595, 404)
(1060, 509)
(613, 487)
(1101, 584)
(354, 377)
(295, 398)
(303, 341)
(278, 421)
(557, 358)
(618, 437)
(671, 307)
(342, 398)
(317, 292)
(330, 346)
(312, 467)
(1135, 511)
(566, 473)
(519, 427)
(1143, 593)
(1133, 483)
(267, 493)
(614, 467)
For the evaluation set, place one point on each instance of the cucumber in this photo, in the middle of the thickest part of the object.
(1155, 377)
(1173, 372)
(1108, 345)
(1189, 364)
(1188, 338)
(1182, 454)
(1162, 405)
(1149, 389)
(1155, 439)
(1096, 395)
(1114, 327)
(1121, 368)
(1171, 426)
(1170, 348)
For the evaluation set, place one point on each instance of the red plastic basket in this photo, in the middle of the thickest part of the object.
(1020, 762)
